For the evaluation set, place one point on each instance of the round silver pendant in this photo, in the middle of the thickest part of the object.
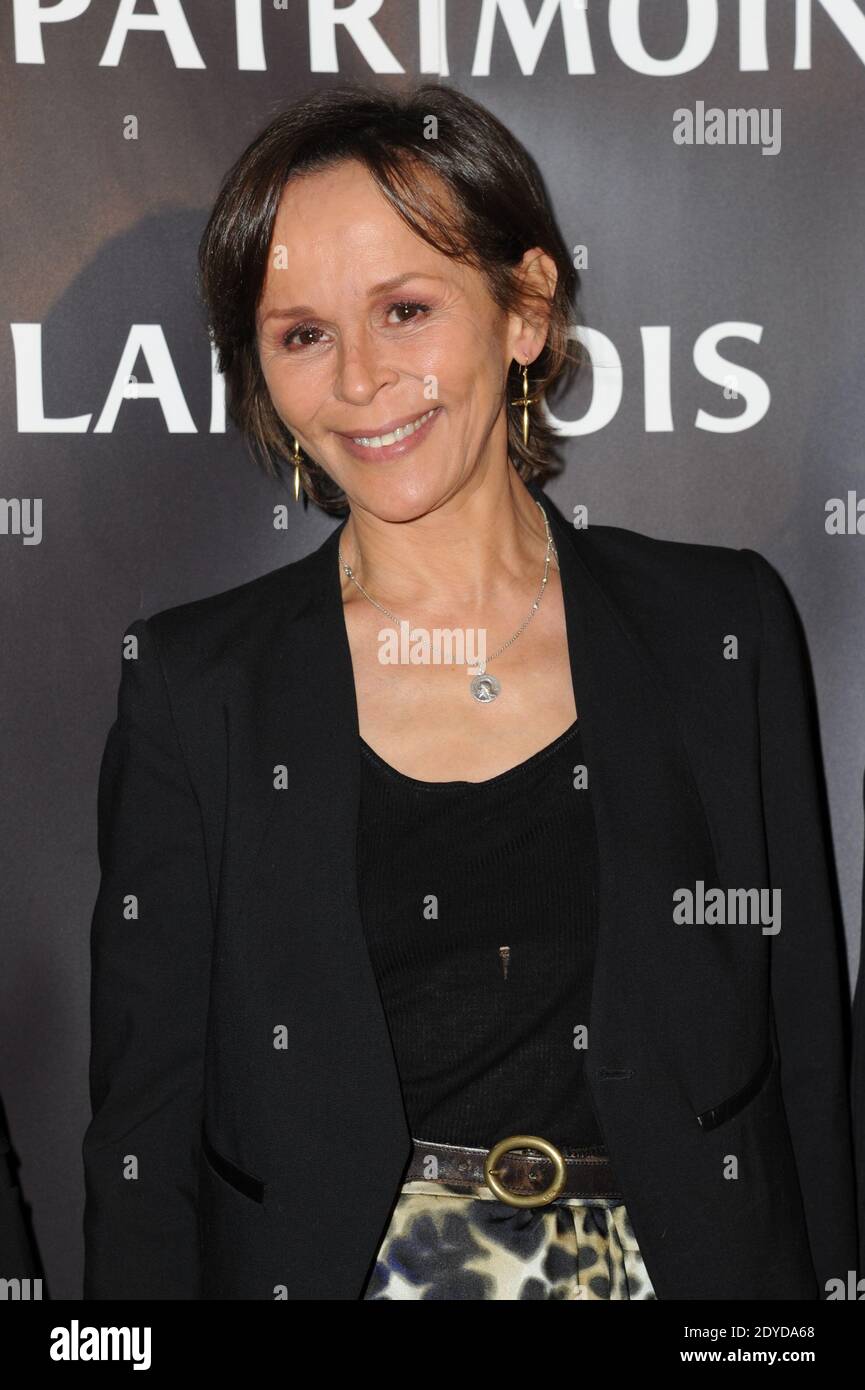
(485, 688)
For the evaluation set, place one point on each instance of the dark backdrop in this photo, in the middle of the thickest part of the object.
(148, 500)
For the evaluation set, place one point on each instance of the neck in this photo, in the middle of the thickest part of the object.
(470, 552)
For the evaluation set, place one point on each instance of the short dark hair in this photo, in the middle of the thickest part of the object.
(497, 210)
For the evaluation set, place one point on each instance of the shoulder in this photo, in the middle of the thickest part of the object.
(204, 635)
(668, 579)
(686, 602)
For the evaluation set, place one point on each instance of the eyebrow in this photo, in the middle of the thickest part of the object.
(382, 287)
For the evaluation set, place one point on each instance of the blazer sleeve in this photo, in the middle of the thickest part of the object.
(809, 994)
(151, 939)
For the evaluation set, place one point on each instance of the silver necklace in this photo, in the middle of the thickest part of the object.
(483, 686)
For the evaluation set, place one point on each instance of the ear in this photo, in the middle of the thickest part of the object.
(528, 329)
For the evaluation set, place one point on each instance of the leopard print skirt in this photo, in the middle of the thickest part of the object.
(449, 1242)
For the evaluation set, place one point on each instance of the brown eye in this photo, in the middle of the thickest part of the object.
(408, 304)
(292, 333)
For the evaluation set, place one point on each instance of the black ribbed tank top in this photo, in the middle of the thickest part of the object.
(478, 902)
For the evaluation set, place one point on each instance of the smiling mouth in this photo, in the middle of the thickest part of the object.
(379, 441)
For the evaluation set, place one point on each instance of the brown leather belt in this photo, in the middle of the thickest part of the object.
(539, 1174)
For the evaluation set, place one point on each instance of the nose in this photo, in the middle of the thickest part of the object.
(361, 370)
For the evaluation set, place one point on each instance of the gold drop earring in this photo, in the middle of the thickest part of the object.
(295, 458)
(525, 401)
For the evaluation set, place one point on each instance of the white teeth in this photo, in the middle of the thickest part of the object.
(401, 432)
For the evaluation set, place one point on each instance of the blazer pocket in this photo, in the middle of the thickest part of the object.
(733, 1105)
(230, 1173)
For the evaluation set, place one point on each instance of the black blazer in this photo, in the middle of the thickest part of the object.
(249, 1139)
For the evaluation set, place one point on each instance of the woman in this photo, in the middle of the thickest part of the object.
(405, 985)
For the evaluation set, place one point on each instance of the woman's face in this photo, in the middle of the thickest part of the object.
(363, 327)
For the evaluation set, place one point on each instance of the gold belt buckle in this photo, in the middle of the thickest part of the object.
(525, 1141)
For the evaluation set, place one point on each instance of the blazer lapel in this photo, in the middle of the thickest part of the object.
(651, 825)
